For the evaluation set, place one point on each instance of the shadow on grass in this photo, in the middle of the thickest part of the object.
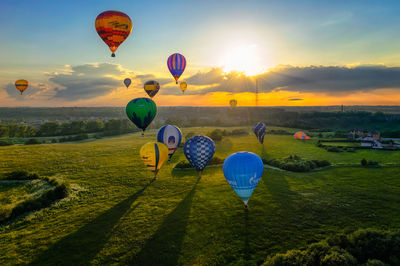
(280, 191)
(164, 247)
(80, 247)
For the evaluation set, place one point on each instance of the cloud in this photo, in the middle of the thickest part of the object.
(87, 81)
(35, 91)
(296, 99)
(146, 77)
(314, 79)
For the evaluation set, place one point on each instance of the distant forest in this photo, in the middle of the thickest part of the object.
(36, 120)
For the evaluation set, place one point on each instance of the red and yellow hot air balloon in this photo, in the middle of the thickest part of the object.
(300, 135)
(113, 27)
(21, 85)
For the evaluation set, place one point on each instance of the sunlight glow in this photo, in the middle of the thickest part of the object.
(242, 59)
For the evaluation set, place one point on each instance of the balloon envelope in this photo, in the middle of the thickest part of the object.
(243, 170)
(153, 155)
(152, 87)
(127, 82)
(21, 85)
(199, 150)
(141, 111)
(183, 86)
(113, 28)
(171, 136)
(233, 103)
(301, 135)
(260, 129)
(176, 65)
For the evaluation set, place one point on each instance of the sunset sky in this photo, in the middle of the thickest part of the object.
(302, 52)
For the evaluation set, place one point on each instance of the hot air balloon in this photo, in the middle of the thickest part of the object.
(183, 86)
(171, 136)
(21, 85)
(233, 103)
(141, 111)
(127, 82)
(151, 87)
(300, 135)
(260, 129)
(243, 171)
(153, 155)
(176, 65)
(113, 27)
(199, 150)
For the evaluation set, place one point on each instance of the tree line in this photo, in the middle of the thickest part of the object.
(50, 129)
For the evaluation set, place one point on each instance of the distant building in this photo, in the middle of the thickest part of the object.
(371, 142)
(360, 133)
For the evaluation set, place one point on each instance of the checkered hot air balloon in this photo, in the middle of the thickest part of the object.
(260, 129)
(300, 135)
(171, 136)
(176, 65)
(113, 28)
(199, 150)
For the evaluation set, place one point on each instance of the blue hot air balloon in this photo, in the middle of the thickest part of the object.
(171, 136)
(199, 150)
(243, 171)
(127, 82)
(259, 129)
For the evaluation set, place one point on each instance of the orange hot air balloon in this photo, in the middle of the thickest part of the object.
(113, 27)
(301, 135)
(21, 85)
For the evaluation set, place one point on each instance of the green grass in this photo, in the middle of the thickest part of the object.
(120, 217)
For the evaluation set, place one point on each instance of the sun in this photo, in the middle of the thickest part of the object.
(242, 59)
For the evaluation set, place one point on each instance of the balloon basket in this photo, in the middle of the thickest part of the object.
(112, 55)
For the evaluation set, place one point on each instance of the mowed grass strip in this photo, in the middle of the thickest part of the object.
(177, 219)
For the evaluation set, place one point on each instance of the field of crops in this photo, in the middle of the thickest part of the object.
(117, 215)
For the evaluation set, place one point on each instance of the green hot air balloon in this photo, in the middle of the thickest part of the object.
(141, 111)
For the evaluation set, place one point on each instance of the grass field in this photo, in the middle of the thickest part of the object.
(120, 216)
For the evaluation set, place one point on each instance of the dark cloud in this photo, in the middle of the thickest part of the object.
(86, 81)
(296, 99)
(327, 79)
(34, 92)
(213, 76)
(146, 77)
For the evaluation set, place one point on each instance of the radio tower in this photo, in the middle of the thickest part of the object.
(256, 91)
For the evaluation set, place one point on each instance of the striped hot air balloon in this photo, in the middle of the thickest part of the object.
(259, 129)
(171, 136)
(300, 135)
(152, 87)
(21, 85)
(154, 155)
(176, 65)
(113, 28)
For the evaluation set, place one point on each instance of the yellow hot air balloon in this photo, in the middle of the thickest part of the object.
(233, 103)
(183, 86)
(153, 155)
(21, 85)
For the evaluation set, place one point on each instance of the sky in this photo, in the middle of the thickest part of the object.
(299, 52)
